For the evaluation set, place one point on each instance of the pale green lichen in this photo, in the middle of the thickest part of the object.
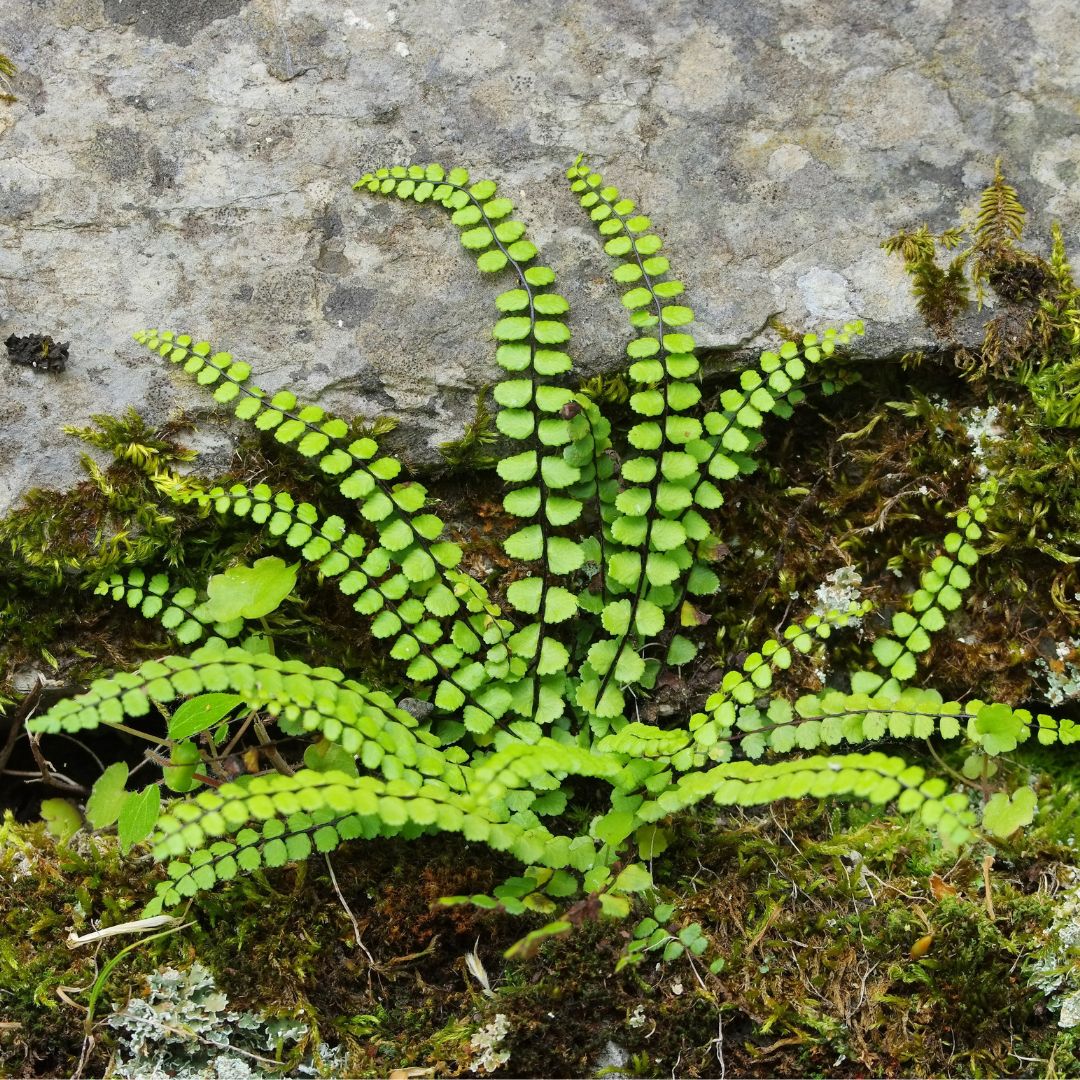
(184, 1029)
(983, 430)
(486, 1043)
(1056, 970)
(839, 591)
(1062, 677)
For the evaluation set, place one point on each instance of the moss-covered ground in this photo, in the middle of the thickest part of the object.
(843, 955)
(850, 944)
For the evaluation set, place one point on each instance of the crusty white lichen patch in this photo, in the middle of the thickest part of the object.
(983, 430)
(487, 1044)
(1056, 970)
(1061, 677)
(183, 1028)
(839, 591)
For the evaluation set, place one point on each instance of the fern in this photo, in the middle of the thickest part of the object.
(536, 685)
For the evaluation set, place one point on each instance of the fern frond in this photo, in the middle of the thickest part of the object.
(654, 520)
(157, 596)
(876, 778)
(317, 810)
(312, 699)
(939, 592)
(408, 586)
(562, 462)
(360, 475)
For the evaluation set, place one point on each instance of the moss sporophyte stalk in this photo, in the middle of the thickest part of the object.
(534, 737)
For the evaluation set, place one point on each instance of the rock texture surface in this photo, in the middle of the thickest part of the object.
(188, 163)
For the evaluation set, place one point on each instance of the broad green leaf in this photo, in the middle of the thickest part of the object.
(652, 841)
(887, 651)
(200, 713)
(61, 818)
(561, 510)
(666, 534)
(515, 423)
(614, 827)
(625, 568)
(630, 666)
(553, 657)
(648, 402)
(633, 878)
(557, 473)
(248, 592)
(107, 796)
(639, 470)
(1004, 814)
(548, 332)
(634, 501)
(999, 728)
(138, 816)
(681, 651)
(179, 774)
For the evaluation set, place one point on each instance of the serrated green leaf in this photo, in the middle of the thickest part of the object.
(248, 592)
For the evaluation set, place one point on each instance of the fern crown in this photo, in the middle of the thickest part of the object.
(538, 684)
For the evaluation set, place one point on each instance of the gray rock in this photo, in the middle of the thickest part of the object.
(188, 164)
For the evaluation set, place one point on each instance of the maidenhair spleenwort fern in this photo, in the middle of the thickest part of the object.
(614, 536)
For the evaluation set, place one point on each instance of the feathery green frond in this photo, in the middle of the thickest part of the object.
(1001, 214)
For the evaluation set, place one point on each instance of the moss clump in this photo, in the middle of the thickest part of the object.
(46, 892)
(812, 913)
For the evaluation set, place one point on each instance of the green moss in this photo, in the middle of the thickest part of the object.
(812, 912)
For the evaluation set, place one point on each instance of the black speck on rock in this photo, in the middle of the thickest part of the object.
(37, 351)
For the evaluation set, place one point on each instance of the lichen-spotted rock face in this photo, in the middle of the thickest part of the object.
(208, 139)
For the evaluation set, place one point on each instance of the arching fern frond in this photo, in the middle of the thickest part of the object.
(316, 811)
